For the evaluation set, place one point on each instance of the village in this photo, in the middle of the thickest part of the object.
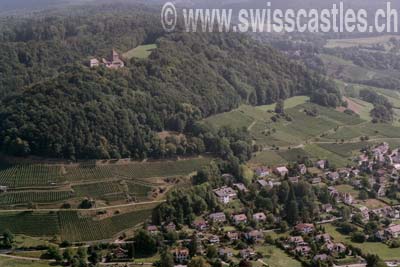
(238, 234)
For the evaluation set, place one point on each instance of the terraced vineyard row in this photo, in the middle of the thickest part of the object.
(87, 173)
(29, 175)
(22, 197)
(97, 189)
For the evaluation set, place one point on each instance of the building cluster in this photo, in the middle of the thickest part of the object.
(112, 62)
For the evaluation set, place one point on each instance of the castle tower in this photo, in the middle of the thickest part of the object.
(114, 56)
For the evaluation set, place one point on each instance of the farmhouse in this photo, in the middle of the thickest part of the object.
(225, 252)
(241, 187)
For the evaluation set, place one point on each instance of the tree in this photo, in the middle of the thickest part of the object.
(68, 255)
(374, 261)
(167, 259)
(212, 252)
(54, 253)
(145, 244)
(280, 107)
(193, 245)
(8, 239)
(198, 262)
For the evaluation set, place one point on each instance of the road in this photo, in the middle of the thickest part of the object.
(93, 209)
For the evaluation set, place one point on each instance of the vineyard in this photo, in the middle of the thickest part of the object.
(70, 225)
(30, 223)
(29, 175)
(23, 175)
(75, 228)
(13, 198)
(97, 189)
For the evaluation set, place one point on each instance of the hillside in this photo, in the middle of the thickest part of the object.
(63, 109)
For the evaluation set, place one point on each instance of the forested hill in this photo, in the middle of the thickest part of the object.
(61, 108)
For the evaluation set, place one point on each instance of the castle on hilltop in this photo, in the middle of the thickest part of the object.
(113, 62)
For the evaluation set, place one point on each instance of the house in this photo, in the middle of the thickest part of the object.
(181, 255)
(3, 188)
(170, 227)
(320, 257)
(120, 253)
(294, 180)
(296, 240)
(232, 236)
(316, 180)
(336, 247)
(320, 164)
(364, 213)
(381, 149)
(225, 194)
(225, 252)
(94, 62)
(333, 176)
(152, 229)
(327, 207)
(304, 228)
(262, 183)
(281, 171)
(393, 231)
(240, 218)
(241, 187)
(259, 217)
(323, 238)
(217, 217)
(213, 239)
(262, 172)
(254, 235)
(200, 225)
(381, 191)
(247, 253)
(347, 198)
(344, 174)
(302, 250)
(302, 169)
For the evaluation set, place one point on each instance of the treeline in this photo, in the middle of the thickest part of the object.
(377, 60)
(383, 109)
(60, 108)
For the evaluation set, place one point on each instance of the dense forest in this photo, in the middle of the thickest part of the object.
(55, 106)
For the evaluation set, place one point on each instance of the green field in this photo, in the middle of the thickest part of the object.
(318, 152)
(7, 262)
(142, 51)
(293, 155)
(276, 257)
(268, 157)
(289, 103)
(345, 150)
